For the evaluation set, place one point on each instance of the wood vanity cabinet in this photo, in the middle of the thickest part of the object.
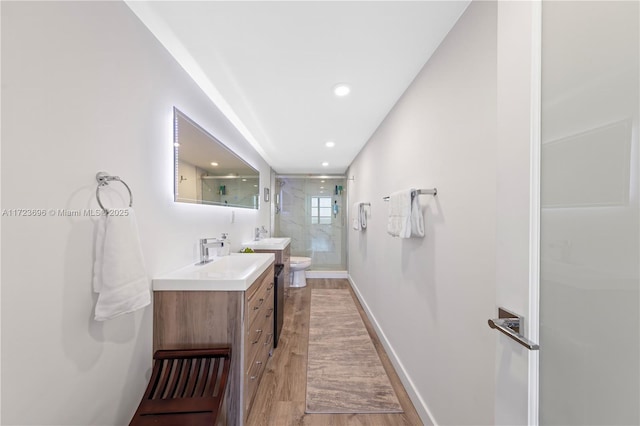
(242, 319)
(258, 334)
(284, 257)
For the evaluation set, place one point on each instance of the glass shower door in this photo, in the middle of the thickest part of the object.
(311, 211)
(590, 217)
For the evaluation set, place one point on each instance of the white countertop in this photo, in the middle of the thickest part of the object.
(279, 243)
(235, 272)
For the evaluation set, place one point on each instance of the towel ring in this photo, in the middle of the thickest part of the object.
(103, 180)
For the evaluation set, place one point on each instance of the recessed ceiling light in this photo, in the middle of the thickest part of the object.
(322, 181)
(325, 164)
(214, 164)
(341, 89)
(330, 144)
(244, 180)
(322, 187)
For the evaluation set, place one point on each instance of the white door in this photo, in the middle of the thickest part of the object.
(582, 215)
(590, 221)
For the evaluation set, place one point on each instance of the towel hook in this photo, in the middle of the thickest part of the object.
(103, 179)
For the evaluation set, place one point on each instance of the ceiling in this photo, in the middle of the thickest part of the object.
(271, 67)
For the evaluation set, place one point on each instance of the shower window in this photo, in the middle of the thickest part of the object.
(321, 210)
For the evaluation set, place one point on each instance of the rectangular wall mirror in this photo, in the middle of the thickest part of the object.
(207, 172)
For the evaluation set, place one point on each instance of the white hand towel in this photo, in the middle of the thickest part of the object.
(405, 217)
(355, 216)
(399, 220)
(119, 274)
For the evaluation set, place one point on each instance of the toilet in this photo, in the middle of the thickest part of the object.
(297, 266)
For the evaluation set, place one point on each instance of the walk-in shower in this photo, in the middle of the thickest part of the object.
(311, 211)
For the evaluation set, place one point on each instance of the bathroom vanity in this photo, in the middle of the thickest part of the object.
(281, 248)
(228, 304)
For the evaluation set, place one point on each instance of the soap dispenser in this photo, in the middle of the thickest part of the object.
(263, 232)
(225, 250)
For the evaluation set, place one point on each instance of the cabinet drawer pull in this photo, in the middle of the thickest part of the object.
(269, 312)
(270, 287)
(258, 363)
(261, 301)
(259, 332)
(269, 339)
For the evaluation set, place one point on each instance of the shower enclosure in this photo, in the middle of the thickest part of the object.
(311, 211)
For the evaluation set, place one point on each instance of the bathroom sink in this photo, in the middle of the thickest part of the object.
(235, 272)
(268, 243)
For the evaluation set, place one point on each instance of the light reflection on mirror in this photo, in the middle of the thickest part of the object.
(207, 172)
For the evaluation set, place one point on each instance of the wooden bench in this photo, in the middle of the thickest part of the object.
(186, 388)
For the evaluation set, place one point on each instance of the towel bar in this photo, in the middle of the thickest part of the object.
(433, 192)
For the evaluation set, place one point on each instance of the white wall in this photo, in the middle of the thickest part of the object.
(431, 297)
(85, 88)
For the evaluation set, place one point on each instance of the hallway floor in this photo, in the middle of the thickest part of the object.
(280, 399)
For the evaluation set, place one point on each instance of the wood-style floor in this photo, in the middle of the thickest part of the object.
(280, 399)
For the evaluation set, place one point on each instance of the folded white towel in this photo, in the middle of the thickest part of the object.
(359, 217)
(405, 218)
(399, 221)
(355, 216)
(417, 221)
(119, 275)
(362, 214)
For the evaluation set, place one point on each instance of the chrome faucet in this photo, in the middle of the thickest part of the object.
(261, 233)
(205, 244)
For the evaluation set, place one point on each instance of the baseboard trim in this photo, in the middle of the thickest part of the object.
(326, 274)
(419, 404)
